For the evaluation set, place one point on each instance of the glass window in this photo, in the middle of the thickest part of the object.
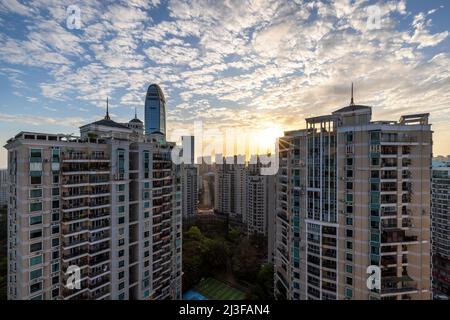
(36, 260)
(35, 233)
(35, 247)
(35, 206)
(35, 193)
(35, 220)
(35, 287)
(35, 274)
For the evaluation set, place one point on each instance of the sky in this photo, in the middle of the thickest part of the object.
(245, 65)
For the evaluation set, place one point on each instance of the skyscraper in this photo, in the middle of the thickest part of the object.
(440, 217)
(155, 110)
(102, 202)
(354, 193)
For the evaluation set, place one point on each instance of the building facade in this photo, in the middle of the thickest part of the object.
(353, 193)
(440, 217)
(101, 205)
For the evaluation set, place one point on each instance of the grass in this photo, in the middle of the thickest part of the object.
(216, 290)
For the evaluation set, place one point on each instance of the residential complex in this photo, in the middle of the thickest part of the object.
(106, 203)
(440, 217)
(354, 193)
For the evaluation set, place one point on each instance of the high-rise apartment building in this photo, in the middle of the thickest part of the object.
(189, 177)
(440, 217)
(189, 181)
(3, 187)
(104, 203)
(354, 193)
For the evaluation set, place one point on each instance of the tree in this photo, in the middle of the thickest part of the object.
(194, 233)
(216, 255)
(245, 262)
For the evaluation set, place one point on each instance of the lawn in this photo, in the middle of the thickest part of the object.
(217, 290)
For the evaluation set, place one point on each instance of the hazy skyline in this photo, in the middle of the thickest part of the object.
(244, 64)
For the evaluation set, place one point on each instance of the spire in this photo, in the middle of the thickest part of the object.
(135, 113)
(107, 110)
(352, 101)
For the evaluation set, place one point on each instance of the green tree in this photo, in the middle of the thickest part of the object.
(194, 233)
(245, 262)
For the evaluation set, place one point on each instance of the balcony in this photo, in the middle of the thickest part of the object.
(396, 236)
(398, 285)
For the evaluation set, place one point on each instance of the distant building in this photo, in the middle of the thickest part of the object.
(440, 217)
(155, 110)
(3, 187)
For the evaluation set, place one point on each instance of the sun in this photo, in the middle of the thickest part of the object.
(266, 138)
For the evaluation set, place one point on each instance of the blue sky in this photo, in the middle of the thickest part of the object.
(243, 64)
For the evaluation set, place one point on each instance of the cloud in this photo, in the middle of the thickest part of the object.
(229, 62)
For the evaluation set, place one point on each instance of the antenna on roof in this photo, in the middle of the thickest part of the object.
(107, 110)
(135, 113)
(352, 102)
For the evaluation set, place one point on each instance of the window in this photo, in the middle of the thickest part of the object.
(348, 293)
(55, 280)
(121, 220)
(36, 287)
(121, 198)
(35, 247)
(55, 229)
(121, 285)
(36, 260)
(55, 192)
(34, 220)
(35, 155)
(349, 245)
(55, 267)
(55, 216)
(55, 242)
(349, 221)
(35, 193)
(121, 253)
(146, 185)
(146, 214)
(35, 179)
(55, 204)
(120, 187)
(349, 257)
(375, 161)
(35, 206)
(349, 281)
(121, 263)
(121, 242)
(348, 268)
(349, 233)
(349, 185)
(121, 209)
(35, 274)
(349, 197)
(121, 274)
(56, 178)
(55, 255)
(55, 293)
(37, 233)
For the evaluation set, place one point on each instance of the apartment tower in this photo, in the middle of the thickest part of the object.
(440, 217)
(354, 193)
(101, 206)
